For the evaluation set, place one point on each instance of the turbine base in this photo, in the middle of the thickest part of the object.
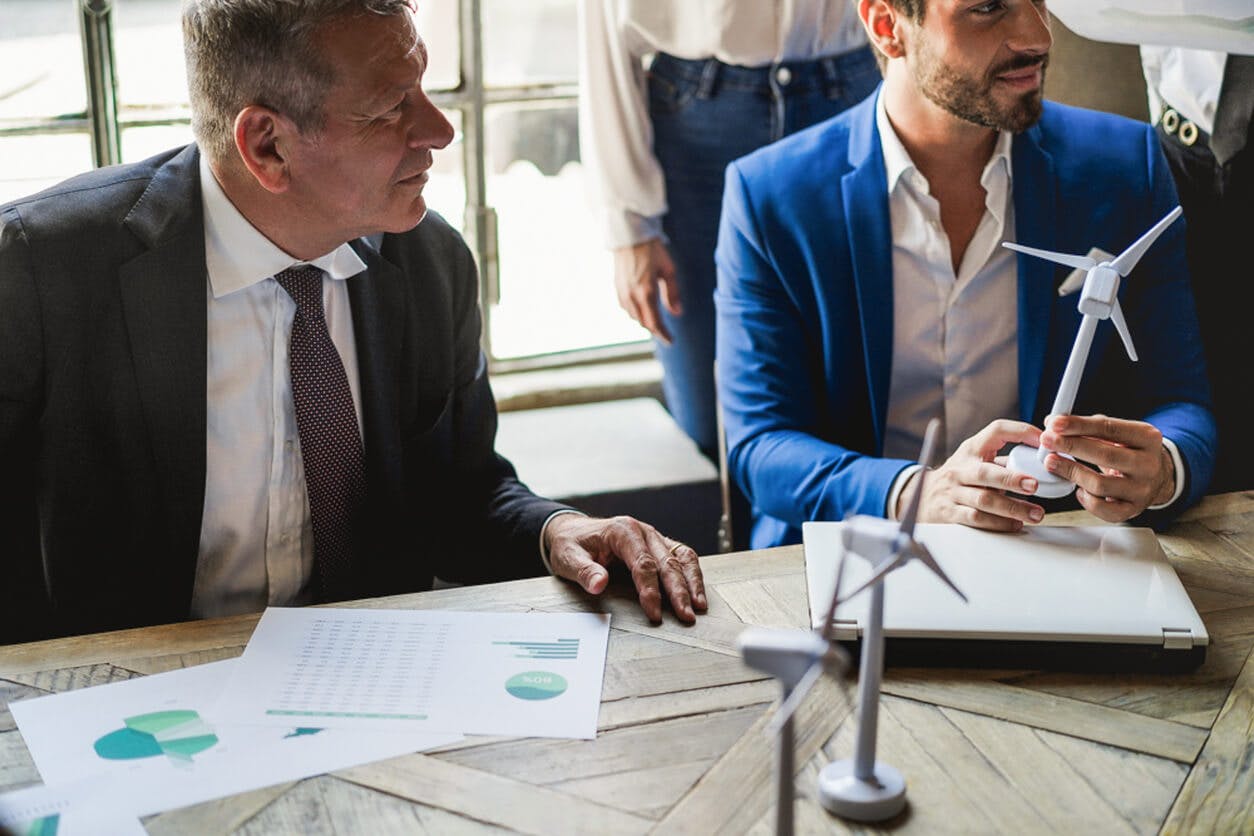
(850, 797)
(1026, 459)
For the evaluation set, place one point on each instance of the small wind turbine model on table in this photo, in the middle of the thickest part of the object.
(1098, 300)
(857, 788)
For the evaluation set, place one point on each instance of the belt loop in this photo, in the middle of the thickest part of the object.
(833, 83)
(709, 79)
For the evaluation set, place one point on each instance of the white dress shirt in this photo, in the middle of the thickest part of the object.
(256, 540)
(955, 337)
(616, 137)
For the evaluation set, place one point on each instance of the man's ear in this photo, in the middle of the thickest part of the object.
(263, 139)
(881, 20)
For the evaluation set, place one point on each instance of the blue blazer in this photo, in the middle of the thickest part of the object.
(805, 307)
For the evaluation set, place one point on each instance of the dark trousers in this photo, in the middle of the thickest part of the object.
(1218, 207)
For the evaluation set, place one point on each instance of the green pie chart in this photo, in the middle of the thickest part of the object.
(176, 734)
(536, 685)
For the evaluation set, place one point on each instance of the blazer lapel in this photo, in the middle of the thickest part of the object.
(163, 300)
(1035, 200)
(863, 191)
(378, 303)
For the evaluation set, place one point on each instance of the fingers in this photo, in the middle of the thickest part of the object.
(580, 547)
(671, 296)
(638, 270)
(997, 434)
(1129, 464)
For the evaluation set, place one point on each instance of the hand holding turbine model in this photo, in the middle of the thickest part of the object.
(1098, 300)
(857, 788)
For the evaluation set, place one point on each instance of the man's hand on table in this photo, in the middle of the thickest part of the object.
(1131, 469)
(581, 549)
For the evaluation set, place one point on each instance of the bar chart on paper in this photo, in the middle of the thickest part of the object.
(523, 674)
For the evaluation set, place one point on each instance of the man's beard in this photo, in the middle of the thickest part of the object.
(972, 100)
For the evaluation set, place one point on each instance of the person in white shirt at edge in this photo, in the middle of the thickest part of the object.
(670, 93)
(157, 465)
(1198, 60)
(863, 289)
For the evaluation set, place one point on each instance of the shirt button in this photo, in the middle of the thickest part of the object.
(783, 76)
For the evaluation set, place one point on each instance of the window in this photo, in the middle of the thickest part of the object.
(102, 81)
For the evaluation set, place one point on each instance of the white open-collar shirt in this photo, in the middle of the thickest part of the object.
(256, 539)
(955, 335)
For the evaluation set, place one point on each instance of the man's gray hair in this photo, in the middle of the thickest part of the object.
(260, 52)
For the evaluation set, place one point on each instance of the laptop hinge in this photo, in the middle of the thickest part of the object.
(1177, 639)
(845, 629)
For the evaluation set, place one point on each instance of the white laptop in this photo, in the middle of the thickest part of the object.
(1095, 597)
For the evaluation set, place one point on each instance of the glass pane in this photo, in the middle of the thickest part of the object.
(529, 42)
(557, 290)
(437, 23)
(31, 163)
(41, 59)
(148, 48)
(142, 143)
(446, 190)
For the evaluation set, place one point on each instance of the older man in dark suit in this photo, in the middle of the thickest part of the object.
(247, 372)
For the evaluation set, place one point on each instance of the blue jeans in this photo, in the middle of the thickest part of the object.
(706, 114)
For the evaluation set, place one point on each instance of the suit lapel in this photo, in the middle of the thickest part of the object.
(863, 191)
(1035, 213)
(163, 302)
(378, 303)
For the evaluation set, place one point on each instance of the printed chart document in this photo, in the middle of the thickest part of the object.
(83, 809)
(518, 674)
(158, 744)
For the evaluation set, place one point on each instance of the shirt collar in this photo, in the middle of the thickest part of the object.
(995, 178)
(237, 255)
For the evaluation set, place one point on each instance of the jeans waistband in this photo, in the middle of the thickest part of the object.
(827, 71)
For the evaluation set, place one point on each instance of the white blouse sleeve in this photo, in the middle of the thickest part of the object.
(624, 179)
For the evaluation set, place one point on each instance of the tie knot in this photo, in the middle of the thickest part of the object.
(304, 285)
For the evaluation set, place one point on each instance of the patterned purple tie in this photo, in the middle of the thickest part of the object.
(330, 442)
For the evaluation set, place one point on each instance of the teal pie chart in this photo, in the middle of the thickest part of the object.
(178, 735)
(536, 685)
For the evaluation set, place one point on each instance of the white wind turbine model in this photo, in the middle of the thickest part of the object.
(857, 788)
(1098, 300)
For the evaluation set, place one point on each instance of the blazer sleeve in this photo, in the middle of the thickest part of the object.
(771, 382)
(23, 599)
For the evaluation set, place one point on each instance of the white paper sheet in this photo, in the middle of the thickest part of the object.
(83, 809)
(160, 743)
(521, 674)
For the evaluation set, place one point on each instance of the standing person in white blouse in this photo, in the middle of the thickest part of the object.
(1198, 60)
(725, 78)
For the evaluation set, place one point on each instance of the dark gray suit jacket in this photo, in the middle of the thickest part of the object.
(102, 408)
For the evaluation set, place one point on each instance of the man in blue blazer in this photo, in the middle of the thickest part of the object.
(170, 448)
(862, 289)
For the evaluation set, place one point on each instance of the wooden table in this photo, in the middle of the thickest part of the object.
(681, 747)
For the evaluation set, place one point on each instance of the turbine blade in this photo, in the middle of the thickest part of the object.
(1128, 258)
(925, 458)
(828, 630)
(1083, 262)
(880, 571)
(1121, 325)
(789, 706)
(919, 551)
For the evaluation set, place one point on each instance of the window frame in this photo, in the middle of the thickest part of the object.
(105, 119)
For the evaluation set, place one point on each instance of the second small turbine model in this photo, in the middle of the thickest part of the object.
(1098, 300)
(858, 788)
